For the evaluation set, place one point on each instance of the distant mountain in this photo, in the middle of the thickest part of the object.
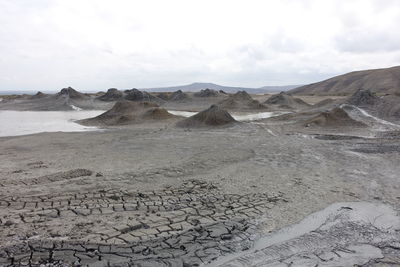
(229, 89)
(17, 92)
(381, 81)
(278, 88)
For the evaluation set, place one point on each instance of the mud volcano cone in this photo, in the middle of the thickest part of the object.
(112, 94)
(241, 100)
(213, 116)
(39, 95)
(337, 117)
(137, 95)
(323, 103)
(285, 100)
(242, 96)
(363, 98)
(157, 114)
(207, 93)
(71, 93)
(123, 112)
(178, 95)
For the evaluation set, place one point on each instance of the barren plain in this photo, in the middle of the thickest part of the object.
(291, 190)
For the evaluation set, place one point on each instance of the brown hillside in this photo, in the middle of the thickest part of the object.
(381, 81)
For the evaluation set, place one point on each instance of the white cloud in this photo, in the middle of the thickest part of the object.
(97, 44)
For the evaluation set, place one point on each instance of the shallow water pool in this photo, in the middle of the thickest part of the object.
(14, 123)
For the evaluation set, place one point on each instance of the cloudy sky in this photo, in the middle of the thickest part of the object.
(98, 44)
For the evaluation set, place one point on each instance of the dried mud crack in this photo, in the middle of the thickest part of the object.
(184, 226)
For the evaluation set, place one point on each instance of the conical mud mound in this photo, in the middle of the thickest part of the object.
(137, 95)
(323, 103)
(157, 114)
(363, 98)
(178, 96)
(213, 116)
(386, 107)
(126, 112)
(71, 93)
(285, 100)
(207, 93)
(336, 117)
(241, 100)
(112, 94)
(174, 96)
(242, 96)
(39, 95)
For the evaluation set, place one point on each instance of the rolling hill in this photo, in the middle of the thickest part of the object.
(381, 81)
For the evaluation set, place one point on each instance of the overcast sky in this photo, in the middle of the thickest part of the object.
(98, 44)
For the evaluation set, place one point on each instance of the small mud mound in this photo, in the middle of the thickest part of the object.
(229, 103)
(241, 100)
(178, 96)
(207, 93)
(284, 100)
(213, 116)
(323, 103)
(363, 98)
(71, 93)
(164, 95)
(137, 95)
(112, 94)
(39, 95)
(175, 96)
(337, 117)
(129, 112)
(157, 114)
(242, 96)
(386, 107)
(123, 112)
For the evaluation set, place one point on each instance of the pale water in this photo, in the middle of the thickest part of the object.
(14, 123)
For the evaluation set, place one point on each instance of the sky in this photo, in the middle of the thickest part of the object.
(99, 44)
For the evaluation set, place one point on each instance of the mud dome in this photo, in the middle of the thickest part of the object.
(14, 123)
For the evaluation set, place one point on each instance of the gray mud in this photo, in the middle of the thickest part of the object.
(343, 234)
(153, 194)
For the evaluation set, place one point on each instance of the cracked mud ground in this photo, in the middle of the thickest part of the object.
(160, 196)
(191, 224)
